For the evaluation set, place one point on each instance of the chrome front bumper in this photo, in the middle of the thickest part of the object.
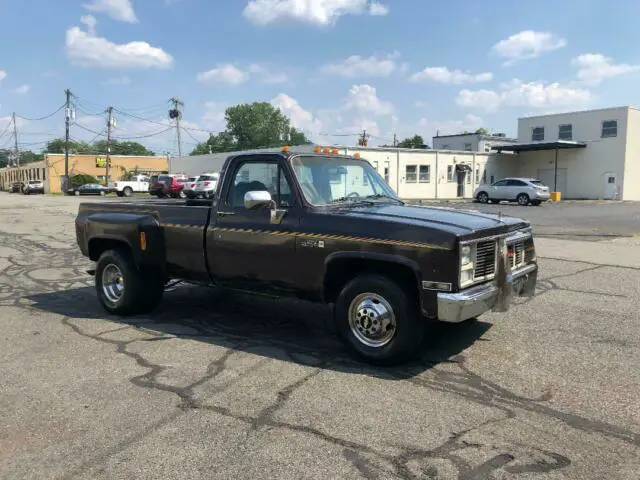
(495, 296)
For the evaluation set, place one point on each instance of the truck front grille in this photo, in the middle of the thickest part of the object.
(485, 264)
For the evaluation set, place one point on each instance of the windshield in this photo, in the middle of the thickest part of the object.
(330, 180)
(204, 178)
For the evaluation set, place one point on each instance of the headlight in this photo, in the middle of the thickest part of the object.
(465, 255)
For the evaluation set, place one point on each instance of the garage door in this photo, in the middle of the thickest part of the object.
(546, 176)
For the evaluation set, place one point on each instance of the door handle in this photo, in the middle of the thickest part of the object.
(225, 214)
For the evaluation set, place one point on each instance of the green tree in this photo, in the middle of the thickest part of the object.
(251, 126)
(482, 131)
(413, 142)
(57, 146)
(122, 148)
(27, 156)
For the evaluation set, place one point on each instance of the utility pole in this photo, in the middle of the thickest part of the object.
(68, 114)
(110, 124)
(15, 139)
(363, 139)
(395, 140)
(175, 114)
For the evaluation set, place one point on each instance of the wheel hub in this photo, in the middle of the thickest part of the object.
(112, 283)
(372, 320)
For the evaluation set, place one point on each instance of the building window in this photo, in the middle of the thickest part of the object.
(565, 132)
(467, 147)
(492, 179)
(410, 174)
(468, 175)
(537, 134)
(609, 128)
(425, 174)
(477, 175)
(375, 165)
(446, 147)
(450, 173)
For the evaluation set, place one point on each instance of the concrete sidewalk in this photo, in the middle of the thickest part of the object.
(622, 252)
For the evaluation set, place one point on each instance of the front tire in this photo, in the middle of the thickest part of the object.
(127, 192)
(123, 289)
(523, 199)
(378, 321)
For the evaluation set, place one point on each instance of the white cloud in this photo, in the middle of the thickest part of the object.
(449, 127)
(317, 12)
(22, 89)
(524, 94)
(232, 75)
(214, 116)
(364, 100)
(224, 73)
(357, 66)
(118, 81)
(89, 50)
(444, 75)
(91, 23)
(3, 75)
(267, 76)
(593, 68)
(527, 44)
(120, 10)
(378, 9)
(298, 116)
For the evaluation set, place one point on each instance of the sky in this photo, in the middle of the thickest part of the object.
(334, 67)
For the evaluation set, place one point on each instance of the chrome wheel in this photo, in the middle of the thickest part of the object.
(523, 199)
(112, 283)
(483, 197)
(372, 320)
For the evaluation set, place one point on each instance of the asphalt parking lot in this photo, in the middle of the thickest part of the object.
(220, 387)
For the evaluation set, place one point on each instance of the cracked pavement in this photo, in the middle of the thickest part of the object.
(213, 386)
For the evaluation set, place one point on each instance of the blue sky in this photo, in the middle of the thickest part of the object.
(333, 66)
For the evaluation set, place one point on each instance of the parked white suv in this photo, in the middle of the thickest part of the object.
(206, 185)
(525, 191)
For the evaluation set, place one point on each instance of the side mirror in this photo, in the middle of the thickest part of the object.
(257, 199)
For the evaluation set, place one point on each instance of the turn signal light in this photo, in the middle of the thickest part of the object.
(334, 151)
(356, 155)
(143, 241)
(285, 149)
(326, 150)
(317, 150)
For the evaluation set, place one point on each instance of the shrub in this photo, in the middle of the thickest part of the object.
(81, 179)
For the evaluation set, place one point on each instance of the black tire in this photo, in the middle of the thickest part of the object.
(141, 291)
(409, 329)
(120, 194)
(127, 192)
(523, 199)
(536, 203)
(483, 197)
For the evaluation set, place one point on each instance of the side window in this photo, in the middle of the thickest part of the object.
(500, 183)
(259, 176)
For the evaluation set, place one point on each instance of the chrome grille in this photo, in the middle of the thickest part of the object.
(485, 264)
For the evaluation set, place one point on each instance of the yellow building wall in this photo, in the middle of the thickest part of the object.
(94, 165)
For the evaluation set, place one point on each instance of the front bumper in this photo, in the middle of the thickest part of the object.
(474, 301)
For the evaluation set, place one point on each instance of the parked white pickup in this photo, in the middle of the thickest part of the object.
(126, 188)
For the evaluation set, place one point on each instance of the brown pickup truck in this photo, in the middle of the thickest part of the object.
(319, 227)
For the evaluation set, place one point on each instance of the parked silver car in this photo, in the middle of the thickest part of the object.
(525, 191)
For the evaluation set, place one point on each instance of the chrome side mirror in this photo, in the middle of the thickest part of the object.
(261, 199)
(257, 199)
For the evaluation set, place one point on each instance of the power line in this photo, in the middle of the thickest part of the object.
(41, 118)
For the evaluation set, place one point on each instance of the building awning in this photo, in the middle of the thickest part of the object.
(462, 167)
(537, 146)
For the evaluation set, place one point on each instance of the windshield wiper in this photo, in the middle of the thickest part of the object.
(347, 199)
(382, 195)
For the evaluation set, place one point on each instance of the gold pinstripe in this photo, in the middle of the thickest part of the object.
(346, 238)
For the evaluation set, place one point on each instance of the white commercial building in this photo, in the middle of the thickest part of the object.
(591, 154)
(471, 142)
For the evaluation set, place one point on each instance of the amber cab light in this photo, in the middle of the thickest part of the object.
(318, 149)
(143, 241)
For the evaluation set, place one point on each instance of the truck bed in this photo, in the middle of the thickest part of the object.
(182, 223)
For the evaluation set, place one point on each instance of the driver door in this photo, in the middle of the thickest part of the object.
(245, 250)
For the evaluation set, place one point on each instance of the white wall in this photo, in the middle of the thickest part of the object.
(630, 182)
(438, 184)
(587, 168)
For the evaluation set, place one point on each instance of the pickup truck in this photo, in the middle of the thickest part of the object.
(319, 227)
(126, 188)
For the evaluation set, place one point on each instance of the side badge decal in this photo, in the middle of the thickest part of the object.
(311, 243)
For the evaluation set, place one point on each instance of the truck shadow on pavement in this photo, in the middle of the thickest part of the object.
(281, 329)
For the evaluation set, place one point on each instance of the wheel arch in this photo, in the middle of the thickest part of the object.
(342, 267)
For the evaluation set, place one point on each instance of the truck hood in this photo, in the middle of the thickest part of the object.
(431, 224)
